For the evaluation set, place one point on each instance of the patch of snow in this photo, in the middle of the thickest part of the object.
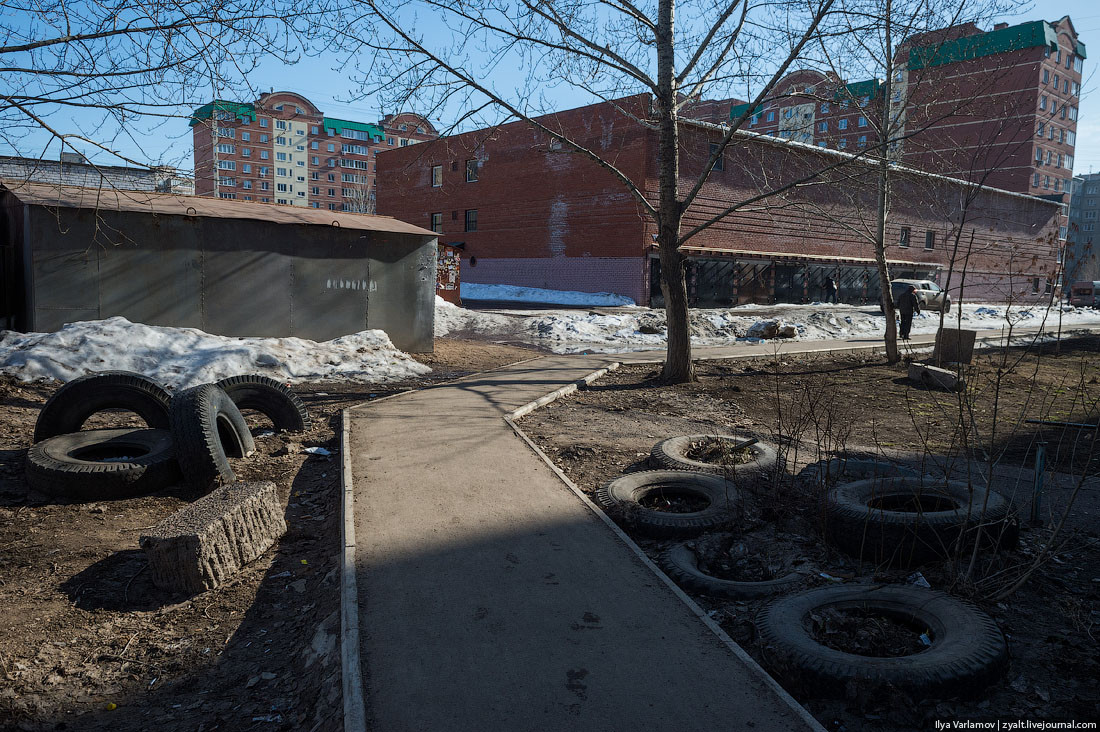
(539, 296)
(642, 329)
(181, 357)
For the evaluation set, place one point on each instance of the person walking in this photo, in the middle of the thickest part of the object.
(832, 290)
(908, 304)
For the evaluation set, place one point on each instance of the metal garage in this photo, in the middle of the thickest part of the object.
(223, 266)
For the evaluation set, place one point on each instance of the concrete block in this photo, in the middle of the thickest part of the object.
(934, 378)
(954, 346)
(200, 546)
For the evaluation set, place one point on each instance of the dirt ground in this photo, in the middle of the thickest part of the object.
(812, 406)
(87, 642)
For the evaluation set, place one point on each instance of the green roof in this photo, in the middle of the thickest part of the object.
(242, 111)
(339, 125)
(739, 109)
(1012, 38)
(857, 89)
(1080, 50)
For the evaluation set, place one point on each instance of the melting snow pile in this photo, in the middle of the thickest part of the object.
(539, 296)
(180, 357)
(572, 331)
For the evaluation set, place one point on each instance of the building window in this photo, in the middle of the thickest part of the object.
(227, 148)
(1062, 114)
(1046, 181)
(280, 124)
(231, 182)
(263, 123)
(863, 140)
(332, 191)
(1056, 82)
(929, 239)
(246, 167)
(280, 156)
(437, 176)
(472, 167)
(1038, 156)
(263, 138)
(1069, 162)
(437, 223)
(404, 142)
(227, 195)
(227, 165)
(246, 152)
(281, 187)
(771, 116)
(264, 155)
(246, 184)
(265, 186)
(823, 127)
(314, 160)
(1050, 157)
(842, 124)
(824, 107)
(1043, 102)
(903, 238)
(862, 122)
(246, 135)
(389, 141)
(842, 143)
(280, 140)
(313, 130)
(471, 219)
(720, 163)
(227, 132)
(1035, 181)
(332, 177)
(1041, 129)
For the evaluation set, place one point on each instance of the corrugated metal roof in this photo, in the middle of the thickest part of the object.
(47, 194)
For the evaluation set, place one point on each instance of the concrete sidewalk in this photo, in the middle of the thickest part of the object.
(492, 598)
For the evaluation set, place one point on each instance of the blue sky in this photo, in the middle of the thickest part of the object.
(335, 93)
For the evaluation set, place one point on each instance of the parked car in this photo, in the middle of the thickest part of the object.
(931, 295)
(1085, 293)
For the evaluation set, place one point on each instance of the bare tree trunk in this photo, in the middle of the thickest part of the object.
(886, 132)
(678, 367)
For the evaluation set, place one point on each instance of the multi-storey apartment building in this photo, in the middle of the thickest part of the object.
(283, 149)
(997, 107)
(1082, 260)
(73, 169)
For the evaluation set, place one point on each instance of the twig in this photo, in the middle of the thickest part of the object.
(126, 591)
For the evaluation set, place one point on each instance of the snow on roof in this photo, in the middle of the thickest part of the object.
(112, 199)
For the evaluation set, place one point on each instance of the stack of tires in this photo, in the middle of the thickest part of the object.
(190, 434)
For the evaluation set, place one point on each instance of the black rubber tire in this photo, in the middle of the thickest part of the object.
(622, 496)
(71, 405)
(671, 454)
(208, 429)
(270, 398)
(905, 538)
(968, 650)
(61, 465)
(681, 564)
(851, 469)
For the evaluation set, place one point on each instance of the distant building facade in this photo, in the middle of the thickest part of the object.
(1082, 260)
(71, 169)
(999, 107)
(283, 149)
(524, 211)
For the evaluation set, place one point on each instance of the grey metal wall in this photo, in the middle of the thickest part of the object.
(227, 276)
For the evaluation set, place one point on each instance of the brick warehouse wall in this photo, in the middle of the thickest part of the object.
(545, 218)
(1008, 239)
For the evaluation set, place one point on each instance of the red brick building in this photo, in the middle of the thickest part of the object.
(1000, 105)
(283, 149)
(526, 212)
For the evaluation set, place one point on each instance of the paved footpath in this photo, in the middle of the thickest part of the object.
(492, 598)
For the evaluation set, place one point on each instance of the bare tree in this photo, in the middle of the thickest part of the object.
(116, 65)
(676, 52)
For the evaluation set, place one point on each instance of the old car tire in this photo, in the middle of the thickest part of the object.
(87, 465)
(908, 538)
(967, 650)
(624, 495)
(671, 454)
(72, 404)
(208, 429)
(851, 469)
(270, 398)
(681, 564)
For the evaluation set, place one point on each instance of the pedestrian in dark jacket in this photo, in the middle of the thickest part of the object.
(832, 291)
(908, 304)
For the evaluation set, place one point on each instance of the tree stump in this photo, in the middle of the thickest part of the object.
(200, 546)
